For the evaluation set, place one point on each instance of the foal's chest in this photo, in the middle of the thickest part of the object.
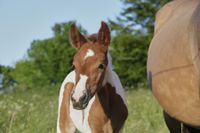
(80, 117)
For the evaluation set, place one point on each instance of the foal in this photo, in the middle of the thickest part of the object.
(91, 97)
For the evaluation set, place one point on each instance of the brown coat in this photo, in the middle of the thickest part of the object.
(173, 60)
(107, 114)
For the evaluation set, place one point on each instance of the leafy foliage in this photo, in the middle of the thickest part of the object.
(129, 58)
(48, 60)
(26, 75)
(137, 16)
(52, 57)
(7, 78)
(133, 31)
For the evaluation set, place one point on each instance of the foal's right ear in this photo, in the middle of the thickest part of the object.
(104, 34)
(76, 38)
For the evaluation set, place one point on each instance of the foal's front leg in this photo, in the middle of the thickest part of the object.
(68, 128)
(65, 123)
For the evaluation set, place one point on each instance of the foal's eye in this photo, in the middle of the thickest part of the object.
(101, 66)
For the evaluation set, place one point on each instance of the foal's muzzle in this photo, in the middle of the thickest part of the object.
(82, 102)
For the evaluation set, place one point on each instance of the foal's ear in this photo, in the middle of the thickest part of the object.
(75, 37)
(104, 34)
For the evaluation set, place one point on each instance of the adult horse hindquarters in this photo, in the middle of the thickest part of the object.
(173, 60)
(91, 97)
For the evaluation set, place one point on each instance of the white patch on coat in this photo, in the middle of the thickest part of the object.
(89, 53)
(112, 78)
(77, 117)
(80, 87)
(69, 78)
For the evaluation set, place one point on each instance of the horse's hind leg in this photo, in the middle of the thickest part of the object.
(173, 125)
(189, 129)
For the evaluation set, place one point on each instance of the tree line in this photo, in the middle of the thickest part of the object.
(49, 60)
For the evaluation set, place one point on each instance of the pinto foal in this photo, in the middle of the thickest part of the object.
(91, 97)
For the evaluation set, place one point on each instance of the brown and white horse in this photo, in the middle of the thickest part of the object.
(174, 64)
(91, 97)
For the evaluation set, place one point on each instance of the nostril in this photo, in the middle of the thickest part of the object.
(83, 98)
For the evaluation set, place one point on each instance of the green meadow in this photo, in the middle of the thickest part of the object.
(35, 111)
(32, 107)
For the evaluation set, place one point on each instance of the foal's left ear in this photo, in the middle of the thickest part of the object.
(104, 34)
(76, 38)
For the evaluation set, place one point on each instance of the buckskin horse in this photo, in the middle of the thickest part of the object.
(173, 64)
(91, 97)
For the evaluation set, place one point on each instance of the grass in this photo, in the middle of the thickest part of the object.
(36, 112)
(145, 115)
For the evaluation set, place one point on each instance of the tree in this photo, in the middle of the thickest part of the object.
(27, 76)
(53, 57)
(137, 16)
(133, 31)
(6, 76)
(129, 58)
(48, 60)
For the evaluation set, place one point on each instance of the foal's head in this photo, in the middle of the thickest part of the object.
(90, 64)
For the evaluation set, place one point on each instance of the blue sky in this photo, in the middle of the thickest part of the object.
(22, 21)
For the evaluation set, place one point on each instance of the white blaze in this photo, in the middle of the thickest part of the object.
(89, 53)
(80, 87)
